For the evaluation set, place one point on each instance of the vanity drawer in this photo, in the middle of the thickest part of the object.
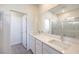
(49, 50)
(38, 47)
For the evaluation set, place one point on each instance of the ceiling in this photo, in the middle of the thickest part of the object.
(64, 8)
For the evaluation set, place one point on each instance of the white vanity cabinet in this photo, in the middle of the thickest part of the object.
(49, 50)
(33, 44)
(38, 47)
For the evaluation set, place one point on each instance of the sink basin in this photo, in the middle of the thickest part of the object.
(60, 44)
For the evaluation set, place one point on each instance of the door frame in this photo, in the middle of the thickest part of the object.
(25, 16)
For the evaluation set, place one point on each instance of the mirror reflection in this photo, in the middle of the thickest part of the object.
(63, 20)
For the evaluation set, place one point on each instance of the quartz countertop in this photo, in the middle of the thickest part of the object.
(55, 42)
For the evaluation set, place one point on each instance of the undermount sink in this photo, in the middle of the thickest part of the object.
(60, 44)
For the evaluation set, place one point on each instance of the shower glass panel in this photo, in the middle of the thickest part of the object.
(56, 28)
(69, 28)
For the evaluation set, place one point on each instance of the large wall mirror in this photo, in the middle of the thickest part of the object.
(63, 20)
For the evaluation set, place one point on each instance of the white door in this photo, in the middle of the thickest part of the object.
(16, 28)
(24, 31)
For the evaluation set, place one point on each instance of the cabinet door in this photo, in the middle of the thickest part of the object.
(48, 50)
(38, 47)
(32, 44)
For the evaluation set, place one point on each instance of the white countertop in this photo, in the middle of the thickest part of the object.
(58, 45)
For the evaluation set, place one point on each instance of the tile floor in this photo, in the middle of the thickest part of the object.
(19, 49)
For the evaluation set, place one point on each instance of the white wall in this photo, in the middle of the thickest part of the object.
(1, 32)
(5, 33)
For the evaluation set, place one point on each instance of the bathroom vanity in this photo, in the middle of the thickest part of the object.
(45, 44)
(39, 45)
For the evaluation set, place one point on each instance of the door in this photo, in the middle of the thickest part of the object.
(24, 31)
(16, 28)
